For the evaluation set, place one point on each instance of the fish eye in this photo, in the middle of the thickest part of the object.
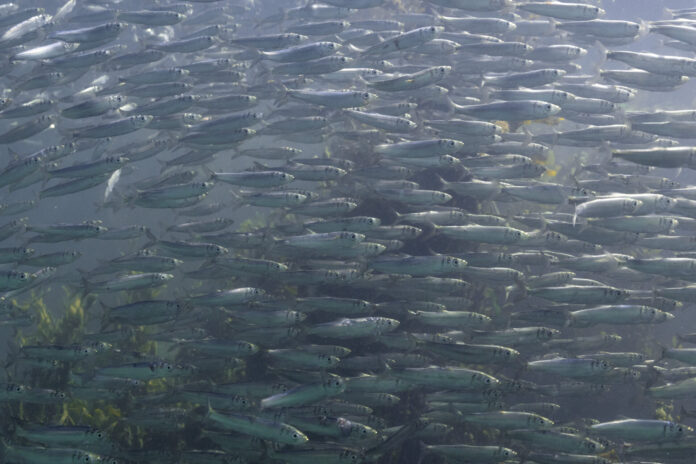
(432, 28)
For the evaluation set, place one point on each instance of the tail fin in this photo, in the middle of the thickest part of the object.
(422, 451)
(105, 315)
(283, 99)
(4, 448)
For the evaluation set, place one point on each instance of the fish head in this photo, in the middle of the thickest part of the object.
(555, 73)
(506, 453)
(26, 251)
(247, 132)
(632, 29)
(544, 109)
(191, 118)
(59, 395)
(577, 51)
(334, 382)
(441, 197)
(115, 27)
(432, 31)
(297, 437)
(295, 38)
(344, 60)
(631, 205)
(116, 101)
(442, 71)
(680, 429)
(509, 354)
(329, 47)
(545, 333)
(386, 324)
(661, 316)
(663, 203)
(366, 97)
(141, 120)
(295, 198)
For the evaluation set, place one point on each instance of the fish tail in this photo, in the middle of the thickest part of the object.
(105, 320)
(86, 287)
(283, 99)
(422, 451)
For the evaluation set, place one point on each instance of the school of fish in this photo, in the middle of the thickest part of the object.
(346, 231)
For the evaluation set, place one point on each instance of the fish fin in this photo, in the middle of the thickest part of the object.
(153, 240)
(523, 291)
(355, 49)
(85, 285)
(443, 183)
(603, 56)
(429, 230)
(4, 447)
(283, 99)
(263, 70)
(209, 410)
(13, 154)
(422, 451)
(663, 351)
(262, 167)
(106, 311)
(209, 172)
(653, 376)
(514, 125)
(238, 199)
